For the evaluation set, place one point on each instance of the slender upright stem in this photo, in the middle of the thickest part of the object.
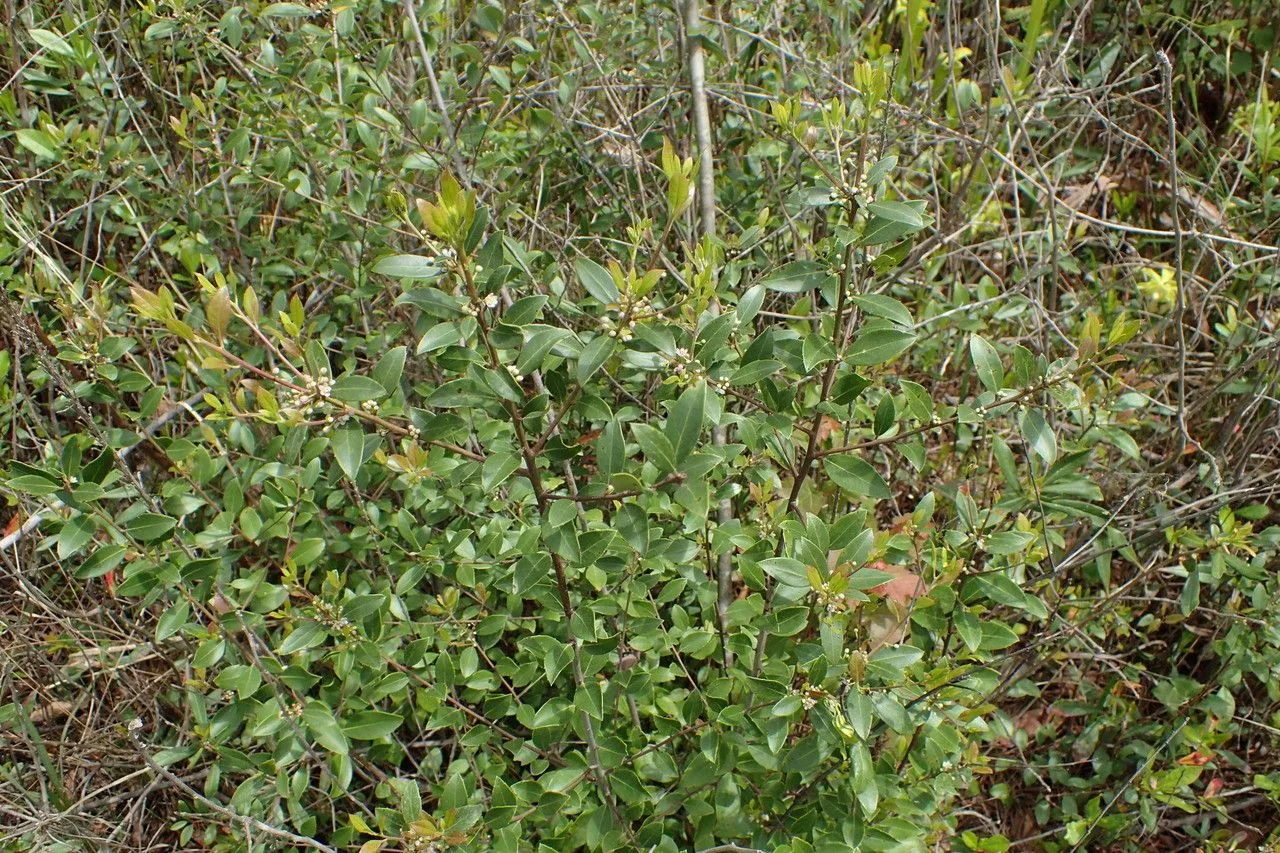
(707, 216)
(436, 95)
(701, 117)
(1166, 73)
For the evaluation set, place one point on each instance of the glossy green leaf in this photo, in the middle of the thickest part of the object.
(370, 725)
(877, 346)
(390, 368)
(38, 142)
(323, 725)
(796, 277)
(357, 389)
(1039, 435)
(684, 426)
(854, 475)
(100, 562)
(878, 305)
(593, 357)
(987, 362)
(348, 448)
(786, 571)
(439, 336)
(596, 280)
(655, 446)
(150, 527)
(413, 267)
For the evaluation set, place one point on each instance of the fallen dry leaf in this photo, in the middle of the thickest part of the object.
(905, 587)
(1196, 759)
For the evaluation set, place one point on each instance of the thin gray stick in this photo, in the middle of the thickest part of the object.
(707, 216)
(436, 95)
(1166, 73)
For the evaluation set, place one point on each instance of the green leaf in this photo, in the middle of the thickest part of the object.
(854, 475)
(596, 280)
(539, 341)
(530, 571)
(1190, 598)
(390, 368)
(1039, 435)
(75, 534)
(656, 447)
(307, 551)
(862, 714)
(878, 305)
(371, 725)
(796, 277)
(880, 170)
(33, 484)
(611, 449)
(877, 346)
(439, 336)
(101, 561)
(1008, 542)
(171, 621)
(919, 403)
(52, 42)
(969, 628)
(886, 416)
(524, 310)
(685, 424)
(889, 662)
(996, 636)
(241, 678)
(593, 356)
(497, 468)
(150, 527)
(306, 635)
(354, 388)
(286, 10)
(750, 374)
(906, 213)
(410, 799)
(348, 449)
(786, 571)
(847, 388)
(408, 266)
(38, 142)
(892, 220)
(749, 303)
(323, 726)
(815, 351)
(987, 362)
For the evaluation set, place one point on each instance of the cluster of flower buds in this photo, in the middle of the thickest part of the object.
(312, 394)
(629, 311)
(623, 331)
(473, 307)
(834, 602)
(683, 362)
(809, 695)
(329, 616)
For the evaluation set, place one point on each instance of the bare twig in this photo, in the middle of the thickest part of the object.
(707, 213)
(1166, 74)
(436, 95)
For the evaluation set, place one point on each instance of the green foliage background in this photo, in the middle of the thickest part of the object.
(401, 453)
